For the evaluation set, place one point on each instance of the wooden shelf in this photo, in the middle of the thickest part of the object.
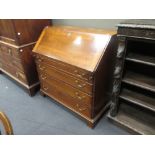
(138, 99)
(141, 58)
(135, 120)
(139, 80)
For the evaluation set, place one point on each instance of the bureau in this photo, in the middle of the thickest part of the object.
(133, 99)
(17, 39)
(75, 68)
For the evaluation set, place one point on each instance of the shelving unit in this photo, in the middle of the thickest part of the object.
(133, 99)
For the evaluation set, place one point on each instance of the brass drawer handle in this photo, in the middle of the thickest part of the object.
(80, 109)
(78, 96)
(41, 68)
(40, 60)
(78, 74)
(10, 51)
(43, 77)
(45, 88)
(81, 86)
(81, 97)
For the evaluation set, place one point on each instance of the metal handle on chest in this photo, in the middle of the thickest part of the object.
(80, 109)
(41, 68)
(80, 85)
(10, 51)
(78, 96)
(45, 88)
(43, 77)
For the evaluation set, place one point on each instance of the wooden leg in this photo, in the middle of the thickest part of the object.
(33, 90)
(91, 125)
(42, 94)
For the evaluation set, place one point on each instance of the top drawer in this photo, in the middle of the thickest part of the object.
(75, 71)
(10, 51)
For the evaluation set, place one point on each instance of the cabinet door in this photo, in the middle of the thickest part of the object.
(28, 30)
(7, 32)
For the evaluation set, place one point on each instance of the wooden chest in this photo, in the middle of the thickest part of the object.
(75, 67)
(133, 99)
(17, 39)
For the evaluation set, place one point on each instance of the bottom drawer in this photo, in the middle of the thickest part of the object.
(60, 96)
(15, 73)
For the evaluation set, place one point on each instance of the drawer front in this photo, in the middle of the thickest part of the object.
(16, 63)
(9, 51)
(75, 71)
(59, 95)
(48, 71)
(13, 71)
(69, 90)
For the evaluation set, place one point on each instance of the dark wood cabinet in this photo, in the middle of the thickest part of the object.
(133, 99)
(75, 68)
(17, 39)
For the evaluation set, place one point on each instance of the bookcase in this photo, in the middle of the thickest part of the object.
(133, 98)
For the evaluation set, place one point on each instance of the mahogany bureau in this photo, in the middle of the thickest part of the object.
(133, 99)
(17, 39)
(75, 68)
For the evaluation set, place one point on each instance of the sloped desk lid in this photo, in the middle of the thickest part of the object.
(79, 47)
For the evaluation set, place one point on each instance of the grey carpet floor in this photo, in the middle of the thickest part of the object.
(42, 116)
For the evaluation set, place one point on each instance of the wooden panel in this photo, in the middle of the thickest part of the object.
(78, 47)
(47, 71)
(7, 31)
(56, 92)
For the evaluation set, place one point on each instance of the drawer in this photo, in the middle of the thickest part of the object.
(13, 71)
(16, 63)
(69, 90)
(47, 71)
(9, 51)
(74, 71)
(60, 96)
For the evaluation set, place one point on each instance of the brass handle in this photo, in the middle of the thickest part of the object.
(40, 60)
(10, 51)
(43, 77)
(45, 88)
(81, 86)
(80, 109)
(78, 96)
(81, 97)
(41, 68)
(75, 71)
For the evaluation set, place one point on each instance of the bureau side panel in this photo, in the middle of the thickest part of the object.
(104, 77)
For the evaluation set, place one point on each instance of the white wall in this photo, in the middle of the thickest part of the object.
(92, 23)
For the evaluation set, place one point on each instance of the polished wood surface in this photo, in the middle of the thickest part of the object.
(75, 66)
(16, 58)
(69, 45)
(6, 123)
(133, 96)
